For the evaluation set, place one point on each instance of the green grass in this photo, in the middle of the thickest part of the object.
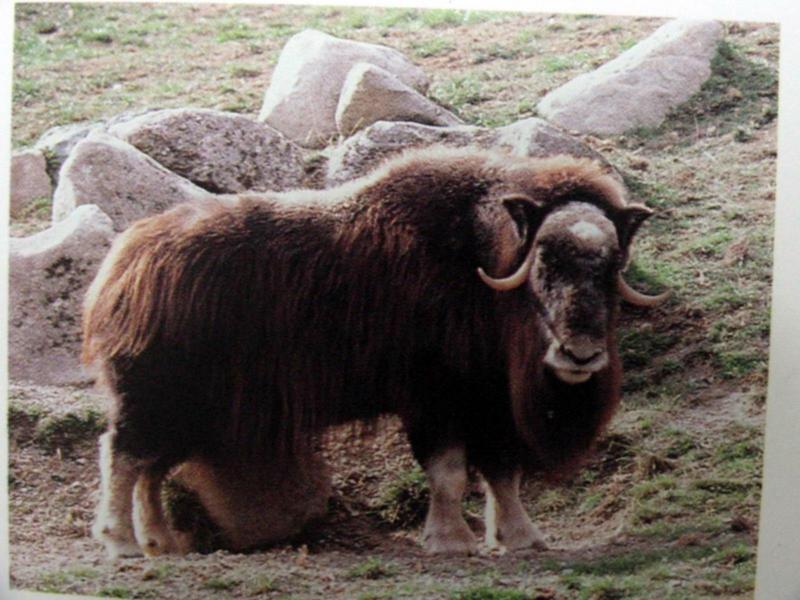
(221, 584)
(442, 18)
(234, 30)
(116, 591)
(491, 593)
(63, 580)
(65, 431)
(739, 94)
(404, 500)
(432, 47)
(262, 584)
(372, 568)
(459, 92)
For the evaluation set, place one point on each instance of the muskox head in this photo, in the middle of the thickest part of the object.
(575, 253)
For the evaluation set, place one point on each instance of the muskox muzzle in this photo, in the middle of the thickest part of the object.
(575, 360)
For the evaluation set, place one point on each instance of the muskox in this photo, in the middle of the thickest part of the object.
(472, 294)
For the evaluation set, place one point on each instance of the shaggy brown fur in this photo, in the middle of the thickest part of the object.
(234, 328)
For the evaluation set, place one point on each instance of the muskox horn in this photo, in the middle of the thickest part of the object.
(512, 281)
(637, 298)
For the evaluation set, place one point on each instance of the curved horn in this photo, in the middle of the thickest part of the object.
(637, 298)
(512, 281)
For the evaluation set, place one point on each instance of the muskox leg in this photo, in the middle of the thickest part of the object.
(114, 523)
(446, 531)
(149, 523)
(507, 523)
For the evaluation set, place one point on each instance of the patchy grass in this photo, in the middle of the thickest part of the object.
(434, 47)
(491, 593)
(63, 432)
(405, 499)
(221, 584)
(372, 568)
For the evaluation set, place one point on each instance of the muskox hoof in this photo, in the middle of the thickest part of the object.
(118, 544)
(460, 542)
(156, 546)
(517, 538)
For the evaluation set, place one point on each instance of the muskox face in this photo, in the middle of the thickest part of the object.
(572, 272)
(573, 279)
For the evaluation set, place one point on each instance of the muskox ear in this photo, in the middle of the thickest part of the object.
(525, 212)
(627, 221)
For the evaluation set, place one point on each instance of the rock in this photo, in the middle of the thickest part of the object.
(221, 152)
(29, 180)
(304, 91)
(57, 142)
(371, 94)
(49, 274)
(537, 137)
(639, 87)
(362, 152)
(125, 183)
(530, 137)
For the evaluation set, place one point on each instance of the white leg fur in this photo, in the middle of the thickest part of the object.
(446, 531)
(149, 523)
(507, 523)
(114, 525)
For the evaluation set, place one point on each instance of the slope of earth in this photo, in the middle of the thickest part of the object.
(668, 507)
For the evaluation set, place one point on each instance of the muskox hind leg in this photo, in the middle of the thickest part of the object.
(507, 522)
(446, 531)
(114, 523)
(150, 526)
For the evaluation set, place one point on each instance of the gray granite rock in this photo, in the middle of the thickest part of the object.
(49, 273)
(125, 183)
(530, 137)
(29, 180)
(57, 142)
(304, 91)
(639, 87)
(221, 152)
(372, 94)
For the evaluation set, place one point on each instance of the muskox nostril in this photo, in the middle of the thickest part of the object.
(580, 357)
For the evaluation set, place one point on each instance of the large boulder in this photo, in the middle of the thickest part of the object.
(221, 152)
(124, 182)
(304, 91)
(372, 94)
(639, 87)
(29, 180)
(57, 142)
(530, 137)
(49, 273)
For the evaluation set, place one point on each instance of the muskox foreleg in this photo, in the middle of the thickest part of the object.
(114, 523)
(446, 531)
(507, 522)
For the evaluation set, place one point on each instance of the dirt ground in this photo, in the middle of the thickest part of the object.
(353, 553)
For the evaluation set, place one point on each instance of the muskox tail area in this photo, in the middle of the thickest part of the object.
(176, 324)
(171, 282)
(122, 308)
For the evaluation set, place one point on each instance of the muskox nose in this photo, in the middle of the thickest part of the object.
(577, 354)
(581, 354)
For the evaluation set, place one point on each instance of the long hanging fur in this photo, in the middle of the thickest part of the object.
(241, 324)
